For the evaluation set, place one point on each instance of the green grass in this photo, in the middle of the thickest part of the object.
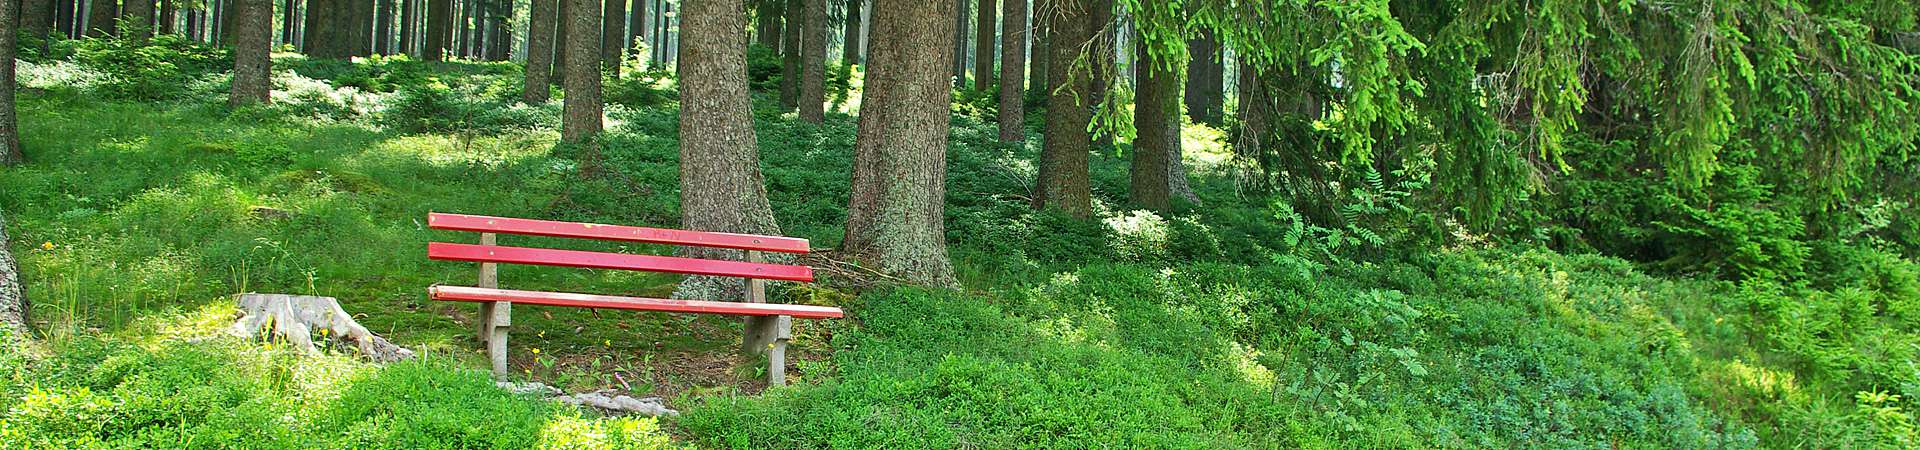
(1216, 327)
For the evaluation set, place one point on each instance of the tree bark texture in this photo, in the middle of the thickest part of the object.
(721, 187)
(581, 112)
(1157, 173)
(540, 35)
(983, 43)
(896, 216)
(1253, 114)
(1043, 12)
(253, 31)
(850, 43)
(959, 44)
(1013, 71)
(439, 29)
(36, 18)
(139, 14)
(64, 17)
(100, 15)
(813, 47)
(613, 34)
(790, 54)
(1063, 181)
(13, 296)
(10, 153)
(1206, 80)
(383, 12)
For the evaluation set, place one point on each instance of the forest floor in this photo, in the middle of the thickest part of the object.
(1217, 327)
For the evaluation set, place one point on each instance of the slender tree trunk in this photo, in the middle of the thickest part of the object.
(1013, 71)
(10, 153)
(1253, 115)
(253, 32)
(64, 15)
(223, 27)
(637, 29)
(1063, 180)
(850, 51)
(540, 35)
(581, 114)
(790, 54)
(1158, 174)
(1043, 12)
(288, 16)
(613, 32)
(100, 15)
(1206, 80)
(813, 80)
(960, 43)
(383, 27)
(439, 29)
(896, 216)
(721, 188)
(503, 31)
(409, 17)
(138, 14)
(168, 13)
(463, 44)
(983, 43)
(1101, 83)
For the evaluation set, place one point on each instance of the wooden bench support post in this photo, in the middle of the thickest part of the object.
(495, 317)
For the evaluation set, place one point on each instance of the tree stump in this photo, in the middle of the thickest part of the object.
(296, 317)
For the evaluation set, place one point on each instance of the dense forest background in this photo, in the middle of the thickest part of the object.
(1195, 223)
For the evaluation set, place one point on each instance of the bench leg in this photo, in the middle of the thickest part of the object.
(485, 330)
(769, 336)
(499, 318)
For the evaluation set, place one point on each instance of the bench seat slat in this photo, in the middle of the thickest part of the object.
(475, 294)
(597, 260)
(549, 228)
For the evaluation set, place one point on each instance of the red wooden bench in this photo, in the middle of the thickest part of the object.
(768, 325)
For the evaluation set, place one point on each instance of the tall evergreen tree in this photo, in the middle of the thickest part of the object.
(541, 15)
(790, 55)
(439, 29)
(581, 112)
(850, 41)
(383, 11)
(813, 47)
(895, 218)
(613, 43)
(637, 29)
(1063, 179)
(1043, 11)
(983, 43)
(253, 36)
(721, 188)
(1013, 71)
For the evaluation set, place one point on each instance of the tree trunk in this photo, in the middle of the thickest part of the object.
(439, 29)
(896, 217)
(64, 12)
(409, 20)
(790, 54)
(1043, 12)
(613, 34)
(100, 15)
(224, 27)
(288, 16)
(10, 153)
(294, 317)
(139, 15)
(383, 27)
(960, 43)
(1101, 83)
(540, 35)
(1063, 181)
(581, 113)
(36, 19)
(13, 297)
(813, 80)
(850, 45)
(1253, 116)
(637, 29)
(167, 15)
(1158, 174)
(253, 32)
(1013, 71)
(983, 43)
(770, 26)
(721, 188)
(463, 22)
(1206, 80)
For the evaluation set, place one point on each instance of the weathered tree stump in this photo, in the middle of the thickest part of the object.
(296, 317)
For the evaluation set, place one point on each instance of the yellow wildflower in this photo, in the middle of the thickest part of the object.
(536, 351)
(47, 245)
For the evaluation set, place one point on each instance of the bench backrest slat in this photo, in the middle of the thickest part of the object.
(548, 228)
(596, 260)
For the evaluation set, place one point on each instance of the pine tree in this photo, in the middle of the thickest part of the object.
(1013, 72)
(895, 218)
(1063, 179)
(253, 36)
(540, 35)
(813, 79)
(721, 188)
(581, 111)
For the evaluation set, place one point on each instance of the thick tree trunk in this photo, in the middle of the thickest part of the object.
(1158, 174)
(896, 217)
(613, 34)
(10, 153)
(540, 35)
(813, 79)
(13, 297)
(100, 15)
(1013, 71)
(439, 29)
(983, 43)
(850, 45)
(721, 188)
(1063, 181)
(138, 14)
(960, 43)
(253, 30)
(383, 27)
(581, 113)
(1206, 80)
(790, 54)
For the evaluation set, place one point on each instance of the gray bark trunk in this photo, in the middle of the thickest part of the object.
(1013, 71)
(581, 113)
(251, 63)
(540, 35)
(813, 81)
(613, 34)
(1063, 181)
(139, 14)
(721, 188)
(10, 153)
(895, 219)
(850, 43)
(790, 54)
(100, 15)
(983, 43)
